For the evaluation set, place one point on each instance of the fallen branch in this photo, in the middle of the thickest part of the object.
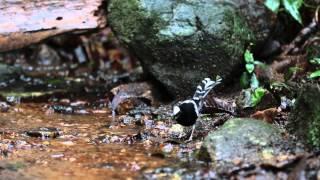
(26, 22)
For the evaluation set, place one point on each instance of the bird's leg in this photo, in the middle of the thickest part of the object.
(114, 124)
(190, 138)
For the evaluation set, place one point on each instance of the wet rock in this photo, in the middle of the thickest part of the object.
(4, 107)
(8, 74)
(121, 139)
(249, 140)
(176, 131)
(78, 107)
(128, 120)
(45, 56)
(9, 144)
(69, 109)
(129, 96)
(282, 169)
(304, 120)
(61, 109)
(57, 156)
(181, 173)
(167, 148)
(180, 42)
(10, 171)
(44, 132)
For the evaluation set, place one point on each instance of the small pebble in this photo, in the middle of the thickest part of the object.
(57, 155)
(68, 143)
(4, 107)
(167, 148)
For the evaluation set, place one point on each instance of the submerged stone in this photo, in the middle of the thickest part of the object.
(304, 121)
(44, 132)
(179, 42)
(249, 140)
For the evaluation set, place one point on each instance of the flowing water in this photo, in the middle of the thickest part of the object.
(79, 152)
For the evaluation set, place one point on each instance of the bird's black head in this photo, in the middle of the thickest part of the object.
(186, 113)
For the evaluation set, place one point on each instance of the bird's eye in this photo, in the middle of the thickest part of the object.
(176, 110)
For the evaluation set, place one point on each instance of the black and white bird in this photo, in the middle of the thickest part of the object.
(187, 112)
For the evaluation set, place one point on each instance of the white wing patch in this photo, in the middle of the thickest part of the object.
(176, 110)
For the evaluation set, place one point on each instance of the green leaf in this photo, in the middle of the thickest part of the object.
(248, 57)
(315, 61)
(251, 97)
(273, 5)
(244, 80)
(279, 86)
(254, 82)
(292, 6)
(250, 68)
(258, 63)
(257, 96)
(294, 69)
(315, 74)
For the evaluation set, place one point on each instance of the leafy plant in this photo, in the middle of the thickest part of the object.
(291, 6)
(257, 95)
(315, 74)
(251, 97)
(279, 86)
(254, 94)
(316, 62)
(249, 78)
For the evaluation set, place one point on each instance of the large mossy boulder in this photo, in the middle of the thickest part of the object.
(249, 140)
(180, 42)
(304, 120)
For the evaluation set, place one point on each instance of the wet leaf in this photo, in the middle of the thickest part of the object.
(248, 56)
(292, 6)
(315, 74)
(254, 82)
(273, 5)
(315, 61)
(257, 95)
(266, 115)
(250, 68)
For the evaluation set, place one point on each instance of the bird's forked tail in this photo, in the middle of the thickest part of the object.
(204, 88)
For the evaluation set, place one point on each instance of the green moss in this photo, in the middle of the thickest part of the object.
(127, 13)
(239, 34)
(314, 131)
(304, 121)
(244, 138)
(175, 38)
(132, 20)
